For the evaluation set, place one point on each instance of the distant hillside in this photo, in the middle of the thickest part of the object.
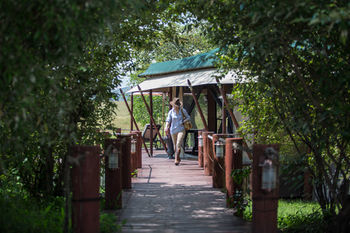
(124, 89)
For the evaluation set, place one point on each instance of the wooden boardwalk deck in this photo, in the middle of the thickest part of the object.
(168, 198)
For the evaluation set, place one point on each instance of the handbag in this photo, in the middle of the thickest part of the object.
(187, 124)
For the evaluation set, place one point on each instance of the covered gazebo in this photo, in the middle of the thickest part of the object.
(172, 78)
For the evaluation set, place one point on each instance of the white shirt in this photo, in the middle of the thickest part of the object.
(176, 120)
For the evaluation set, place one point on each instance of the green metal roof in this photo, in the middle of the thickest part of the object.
(203, 60)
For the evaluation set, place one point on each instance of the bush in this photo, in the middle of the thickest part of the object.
(20, 214)
(302, 222)
(296, 216)
(108, 223)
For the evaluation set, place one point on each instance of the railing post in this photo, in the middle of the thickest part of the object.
(138, 155)
(200, 149)
(125, 140)
(207, 153)
(133, 151)
(233, 160)
(85, 188)
(113, 180)
(265, 188)
(219, 162)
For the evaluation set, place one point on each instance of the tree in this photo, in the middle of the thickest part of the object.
(297, 54)
(59, 62)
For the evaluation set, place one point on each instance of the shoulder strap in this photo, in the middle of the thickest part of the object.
(183, 115)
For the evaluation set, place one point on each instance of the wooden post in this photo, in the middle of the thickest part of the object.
(223, 113)
(113, 180)
(218, 165)
(207, 153)
(223, 94)
(233, 161)
(85, 188)
(170, 93)
(132, 111)
(200, 150)
(151, 125)
(125, 148)
(265, 203)
(198, 106)
(211, 111)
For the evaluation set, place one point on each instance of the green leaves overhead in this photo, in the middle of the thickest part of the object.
(59, 64)
(299, 51)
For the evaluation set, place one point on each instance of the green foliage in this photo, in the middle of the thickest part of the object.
(296, 216)
(241, 198)
(20, 214)
(108, 223)
(59, 69)
(141, 114)
(134, 173)
(295, 55)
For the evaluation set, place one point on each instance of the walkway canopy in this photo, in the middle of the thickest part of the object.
(171, 79)
(199, 69)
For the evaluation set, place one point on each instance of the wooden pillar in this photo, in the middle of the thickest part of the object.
(132, 111)
(211, 112)
(223, 115)
(170, 93)
(265, 203)
(85, 189)
(181, 94)
(151, 125)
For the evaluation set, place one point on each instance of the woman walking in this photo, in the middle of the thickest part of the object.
(174, 124)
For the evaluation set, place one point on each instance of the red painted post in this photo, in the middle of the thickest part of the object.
(219, 162)
(139, 149)
(113, 180)
(265, 200)
(233, 160)
(133, 151)
(207, 154)
(85, 188)
(125, 142)
(137, 156)
(200, 149)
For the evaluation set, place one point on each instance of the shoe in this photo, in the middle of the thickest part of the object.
(171, 157)
(177, 163)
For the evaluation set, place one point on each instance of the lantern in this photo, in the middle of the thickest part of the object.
(200, 140)
(113, 159)
(133, 145)
(219, 149)
(269, 170)
(235, 146)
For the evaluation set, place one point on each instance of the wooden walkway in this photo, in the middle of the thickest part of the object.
(168, 198)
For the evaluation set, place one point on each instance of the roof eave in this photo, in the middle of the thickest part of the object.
(175, 72)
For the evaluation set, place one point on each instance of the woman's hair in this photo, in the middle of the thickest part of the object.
(176, 102)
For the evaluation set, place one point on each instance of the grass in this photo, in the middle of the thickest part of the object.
(296, 216)
(21, 213)
(122, 118)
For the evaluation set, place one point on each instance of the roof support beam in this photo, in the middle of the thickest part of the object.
(198, 106)
(222, 91)
(133, 119)
(153, 122)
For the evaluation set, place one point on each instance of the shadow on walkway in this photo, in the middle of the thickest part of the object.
(169, 198)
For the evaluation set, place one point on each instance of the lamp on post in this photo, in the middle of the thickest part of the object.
(200, 140)
(219, 148)
(113, 160)
(133, 145)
